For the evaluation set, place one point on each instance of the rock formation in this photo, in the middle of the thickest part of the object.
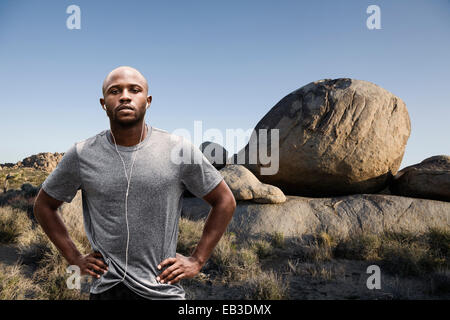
(339, 216)
(245, 186)
(336, 137)
(45, 161)
(429, 179)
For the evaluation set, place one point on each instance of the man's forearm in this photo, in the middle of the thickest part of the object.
(55, 229)
(216, 224)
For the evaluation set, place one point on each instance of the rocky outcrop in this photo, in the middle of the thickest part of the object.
(8, 165)
(245, 186)
(339, 216)
(429, 179)
(336, 137)
(45, 161)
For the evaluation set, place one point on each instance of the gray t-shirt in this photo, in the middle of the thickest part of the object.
(154, 203)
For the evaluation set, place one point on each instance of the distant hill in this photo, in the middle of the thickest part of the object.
(33, 169)
(45, 161)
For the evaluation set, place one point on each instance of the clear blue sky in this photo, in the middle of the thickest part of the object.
(226, 63)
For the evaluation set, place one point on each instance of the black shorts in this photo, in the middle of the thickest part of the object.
(118, 292)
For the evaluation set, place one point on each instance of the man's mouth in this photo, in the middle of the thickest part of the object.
(125, 108)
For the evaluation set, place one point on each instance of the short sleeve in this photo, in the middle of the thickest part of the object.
(64, 181)
(198, 174)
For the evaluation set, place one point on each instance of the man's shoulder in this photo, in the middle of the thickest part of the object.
(164, 136)
(91, 141)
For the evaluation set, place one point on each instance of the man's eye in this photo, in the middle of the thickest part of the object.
(135, 90)
(114, 91)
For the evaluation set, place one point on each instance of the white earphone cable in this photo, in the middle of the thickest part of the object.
(126, 195)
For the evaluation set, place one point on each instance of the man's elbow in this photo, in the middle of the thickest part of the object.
(225, 203)
(43, 204)
(233, 203)
(222, 197)
(229, 203)
(229, 200)
(37, 208)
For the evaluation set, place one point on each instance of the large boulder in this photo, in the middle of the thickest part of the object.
(429, 179)
(245, 186)
(336, 137)
(341, 217)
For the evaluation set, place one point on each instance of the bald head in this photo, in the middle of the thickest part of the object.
(124, 73)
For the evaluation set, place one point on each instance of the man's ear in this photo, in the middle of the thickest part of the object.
(149, 101)
(102, 102)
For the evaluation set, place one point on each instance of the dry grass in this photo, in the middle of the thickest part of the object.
(13, 224)
(51, 276)
(262, 248)
(14, 285)
(362, 247)
(405, 254)
(38, 252)
(311, 248)
(277, 239)
(189, 234)
(401, 254)
(51, 273)
(235, 264)
(22, 175)
(267, 286)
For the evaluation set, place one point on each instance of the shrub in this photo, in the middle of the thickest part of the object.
(314, 248)
(7, 197)
(247, 258)
(278, 240)
(13, 223)
(29, 190)
(189, 234)
(262, 248)
(223, 254)
(267, 286)
(402, 253)
(360, 247)
(408, 260)
(439, 242)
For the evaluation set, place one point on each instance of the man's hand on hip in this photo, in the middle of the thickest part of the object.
(92, 264)
(179, 268)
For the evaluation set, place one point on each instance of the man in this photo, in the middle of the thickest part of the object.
(132, 187)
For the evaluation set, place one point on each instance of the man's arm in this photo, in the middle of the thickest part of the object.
(223, 205)
(45, 212)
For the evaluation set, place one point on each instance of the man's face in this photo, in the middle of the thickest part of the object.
(125, 96)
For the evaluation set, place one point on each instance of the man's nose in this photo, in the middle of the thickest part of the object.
(125, 96)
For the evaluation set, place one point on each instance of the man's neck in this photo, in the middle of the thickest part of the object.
(128, 136)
